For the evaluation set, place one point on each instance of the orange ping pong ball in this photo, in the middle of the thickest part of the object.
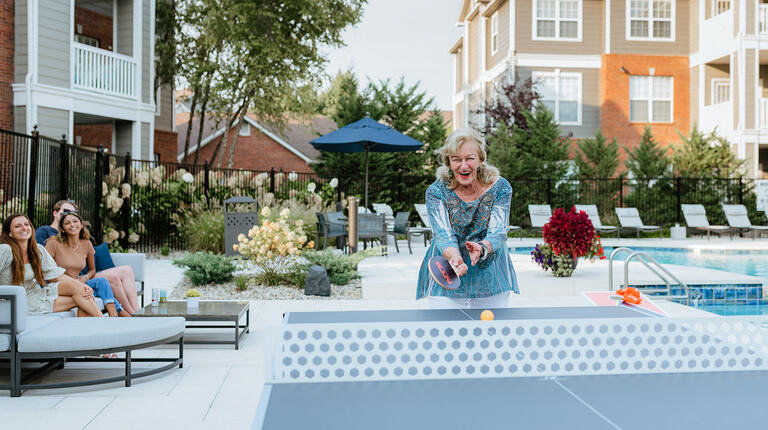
(486, 315)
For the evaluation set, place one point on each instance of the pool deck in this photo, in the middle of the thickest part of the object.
(220, 387)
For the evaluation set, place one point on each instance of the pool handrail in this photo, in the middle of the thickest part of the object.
(647, 260)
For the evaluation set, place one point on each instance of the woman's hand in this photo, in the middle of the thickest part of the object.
(458, 265)
(87, 292)
(475, 251)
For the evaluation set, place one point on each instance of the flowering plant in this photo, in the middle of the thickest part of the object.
(568, 236)
(274, 245)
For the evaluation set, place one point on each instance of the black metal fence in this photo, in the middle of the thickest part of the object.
(143, 204)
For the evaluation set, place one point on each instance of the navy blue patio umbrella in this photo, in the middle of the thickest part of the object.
(366, 135)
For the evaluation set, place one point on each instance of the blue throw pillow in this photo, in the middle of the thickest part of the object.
(103, 259)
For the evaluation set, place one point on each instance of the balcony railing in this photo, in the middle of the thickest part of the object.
(763, 21)
(103, 71)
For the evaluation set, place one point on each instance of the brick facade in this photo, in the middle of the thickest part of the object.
(95, 25)
(93, 135)
(6, 63)
(256, 152)
(614, 99)
(165, 145)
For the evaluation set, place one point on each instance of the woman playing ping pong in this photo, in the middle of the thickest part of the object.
(468, 208)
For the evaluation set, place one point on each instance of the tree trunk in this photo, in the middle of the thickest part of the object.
(189, 126)
(201, 127)
(233, 146)
(222, 139)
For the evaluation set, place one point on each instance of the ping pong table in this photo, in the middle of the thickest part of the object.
(530, 368)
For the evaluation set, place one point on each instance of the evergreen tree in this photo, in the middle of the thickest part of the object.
(597, 158)
(541, 152)
(505, 155)
(647, 160)
(706, 156)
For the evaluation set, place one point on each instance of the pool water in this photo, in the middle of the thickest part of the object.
(735, 309)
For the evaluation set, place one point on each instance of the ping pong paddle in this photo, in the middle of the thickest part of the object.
(443, 274)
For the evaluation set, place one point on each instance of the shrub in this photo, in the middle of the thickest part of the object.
(165, 251)
(205, 232)
(242, 283)
(206, 268)
(192, 293)
(341, 268)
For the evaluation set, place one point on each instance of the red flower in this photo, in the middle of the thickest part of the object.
(572, 233)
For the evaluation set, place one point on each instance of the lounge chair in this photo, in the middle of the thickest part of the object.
(401, 228)
(540, 215)
(594, 216)
(629, 218)
(421, 209)
(386, 210)
(696, 220)
(739, 221)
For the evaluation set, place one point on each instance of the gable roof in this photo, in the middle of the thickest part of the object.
(295, 136)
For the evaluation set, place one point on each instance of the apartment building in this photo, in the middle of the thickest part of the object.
(622, 65)
(84, 69)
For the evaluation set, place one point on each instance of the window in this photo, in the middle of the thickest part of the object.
(87, 40)
(557, 20)
(721, 91)
(245, 129)
(650, 99)
(561, 94)
(651, 20)
(494, 32)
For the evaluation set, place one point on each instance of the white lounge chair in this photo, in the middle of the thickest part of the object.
(540, 215)
(629, 218)
(594, 216)
(739, 221)
(696, 220)
(386, 210)
(421, 209)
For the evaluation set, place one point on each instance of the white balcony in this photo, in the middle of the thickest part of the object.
(103, 71)
(717, 116)
(716, 36)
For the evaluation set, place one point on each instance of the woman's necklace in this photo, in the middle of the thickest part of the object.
(76, 246)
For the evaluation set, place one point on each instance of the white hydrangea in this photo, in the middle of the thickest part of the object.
(187, 177)
(293, 176)
(334, 183)
(311, 187)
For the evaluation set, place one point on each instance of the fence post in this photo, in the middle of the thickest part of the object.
(97, 195)
(206, 185)
(125, 210)
(63, 169)
(679, 182)
(272, 181)
(34, 145)
(621, 191)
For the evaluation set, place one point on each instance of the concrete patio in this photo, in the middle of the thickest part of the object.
(220, 387)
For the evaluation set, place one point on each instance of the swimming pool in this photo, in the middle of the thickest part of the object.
(753, 263)
(720, 299)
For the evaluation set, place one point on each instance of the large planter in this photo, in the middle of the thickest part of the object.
(563, 265)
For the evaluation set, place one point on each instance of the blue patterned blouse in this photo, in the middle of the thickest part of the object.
(455, 221)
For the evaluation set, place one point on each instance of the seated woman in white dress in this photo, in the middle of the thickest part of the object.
(25, 263)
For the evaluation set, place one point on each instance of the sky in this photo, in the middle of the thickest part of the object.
(409, 38)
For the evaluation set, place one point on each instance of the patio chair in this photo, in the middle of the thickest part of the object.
(540, 215)
(330, 225)
(739, 220)
(594, 216)
(629, 218)
(401, 228)
(372, 227)
(696, 220)
(386, 210)
(421, 209)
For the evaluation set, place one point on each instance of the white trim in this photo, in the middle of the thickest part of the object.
(557, 74)
(558, 38)
(494, 20)
(153, 14)
(557, 60)
(248, 130)
(490, 75)
(715, 82)
(650, 38)
(268, 133)
(608, 26)
(650, 101)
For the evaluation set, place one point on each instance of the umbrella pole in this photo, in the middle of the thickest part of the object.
(366, 176)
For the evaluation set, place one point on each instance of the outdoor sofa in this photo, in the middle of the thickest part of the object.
(57, 338)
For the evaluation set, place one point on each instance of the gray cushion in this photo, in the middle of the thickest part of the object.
(86, 334)
(34, 322)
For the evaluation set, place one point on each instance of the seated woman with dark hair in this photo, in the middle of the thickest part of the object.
(25, 263)
(72, 250)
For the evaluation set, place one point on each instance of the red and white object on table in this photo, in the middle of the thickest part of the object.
(607, 298)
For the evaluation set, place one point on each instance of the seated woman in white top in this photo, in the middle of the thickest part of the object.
(25, 263)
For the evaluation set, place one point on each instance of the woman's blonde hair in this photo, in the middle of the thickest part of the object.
(486, 173)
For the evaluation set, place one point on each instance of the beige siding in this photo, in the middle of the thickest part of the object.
(123, 137)
(52, 122)
(53, 42)
(458, 114)
(694, 95)
(592, 31)
(20, 59)
(125, 27)
(693, 19)
(750, 85)
(474, 49)
(735, 89)
(164, 119)
(735, 7)
(502, 38)
(590, 94)
(751, 7)
(459, 56)
(146, 61)
(620, 44)
(145, 154)
(713, 71)
(20, 119)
